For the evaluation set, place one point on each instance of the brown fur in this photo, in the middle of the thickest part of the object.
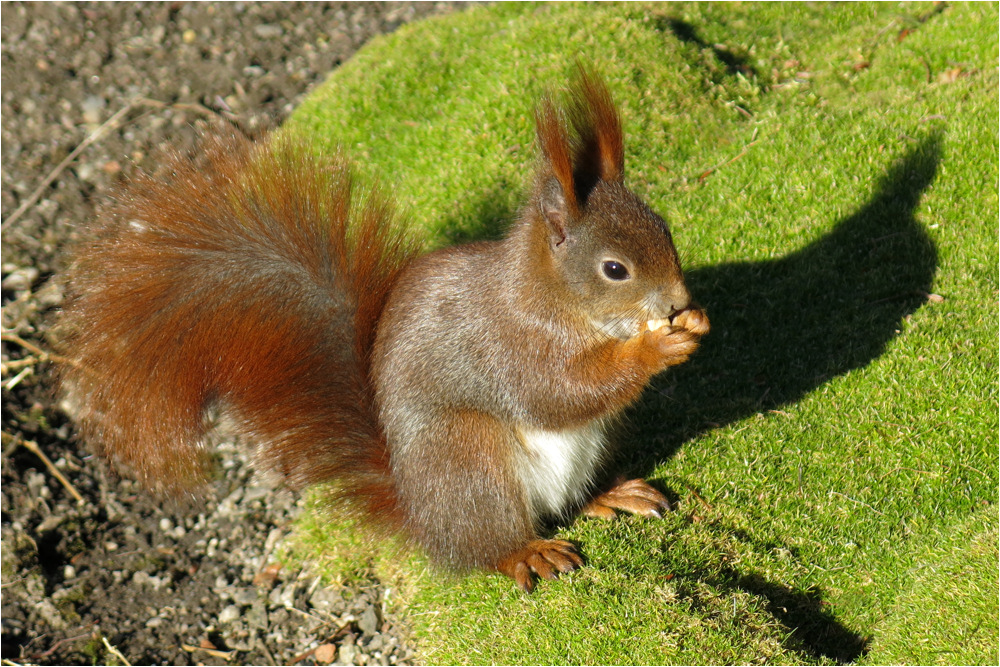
(251, 283)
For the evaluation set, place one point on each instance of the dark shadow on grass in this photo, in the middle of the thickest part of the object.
(815, 634)
(491, 213)
(814, 631)
(687, 33)
(783, 327)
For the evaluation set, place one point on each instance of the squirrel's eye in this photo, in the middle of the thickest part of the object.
(614, 270)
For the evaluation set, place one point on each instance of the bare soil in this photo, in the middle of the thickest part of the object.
(95, 570)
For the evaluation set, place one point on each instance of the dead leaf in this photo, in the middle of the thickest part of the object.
(268, 575)
(952, 75)
(933, 298)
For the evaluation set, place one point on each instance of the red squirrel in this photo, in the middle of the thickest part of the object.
(462, 397)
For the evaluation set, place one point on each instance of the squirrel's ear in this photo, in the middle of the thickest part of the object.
(557, 154)
(553, 207)
(600, 155)
(572, 165)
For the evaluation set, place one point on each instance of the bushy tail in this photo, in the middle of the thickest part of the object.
(247, 282)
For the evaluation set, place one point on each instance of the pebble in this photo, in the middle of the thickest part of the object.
(245, 596)
(256, 617)
(325, 654)
(229, 614)
(49, 524)
(268, 30)
(283, 596)
(346, 653)
(51, 615)
(93, 109)
(368, 622)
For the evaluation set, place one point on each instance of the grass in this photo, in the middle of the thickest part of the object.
(830, 174)
(947, 574)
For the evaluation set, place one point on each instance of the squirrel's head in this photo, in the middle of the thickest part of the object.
(613, 256)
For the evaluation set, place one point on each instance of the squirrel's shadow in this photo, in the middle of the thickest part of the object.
(781, 328)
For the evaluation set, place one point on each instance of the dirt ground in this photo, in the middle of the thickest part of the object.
(95, 571)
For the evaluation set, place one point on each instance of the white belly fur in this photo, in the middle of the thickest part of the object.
(557, 467)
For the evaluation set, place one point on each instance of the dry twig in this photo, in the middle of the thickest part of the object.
(97, 134)
(711, 170)
(33, 447)
(115, 652)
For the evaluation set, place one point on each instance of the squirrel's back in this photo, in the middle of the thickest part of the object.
(248, 282)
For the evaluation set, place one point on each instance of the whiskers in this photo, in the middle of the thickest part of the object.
(623, 324)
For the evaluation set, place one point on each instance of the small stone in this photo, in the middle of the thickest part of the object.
(368, 623)
(86, 172)
(268, 30)
(21, 279)
(325, 654)
(50, 523)
(256, 616)
(283, 596)
(273, 538)
(256, 492)
(245, 596)
(50, 614)
(93, 109)
(326, 599)
(229, 614)
(346, 653)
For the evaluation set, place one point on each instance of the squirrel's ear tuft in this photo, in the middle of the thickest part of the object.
(580, 144)
(557, 153)
(599, 154)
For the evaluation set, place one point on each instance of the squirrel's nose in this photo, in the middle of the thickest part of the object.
(674, 300)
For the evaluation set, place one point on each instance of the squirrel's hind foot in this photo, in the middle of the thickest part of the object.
(634, 496)
(542, 558)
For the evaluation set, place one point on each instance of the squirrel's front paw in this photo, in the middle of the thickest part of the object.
(544, 558)
(692, 319)
(671, 345)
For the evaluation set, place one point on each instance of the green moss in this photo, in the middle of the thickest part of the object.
(948, 614)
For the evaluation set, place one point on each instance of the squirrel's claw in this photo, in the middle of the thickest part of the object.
(634, 496)
(544, 558)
